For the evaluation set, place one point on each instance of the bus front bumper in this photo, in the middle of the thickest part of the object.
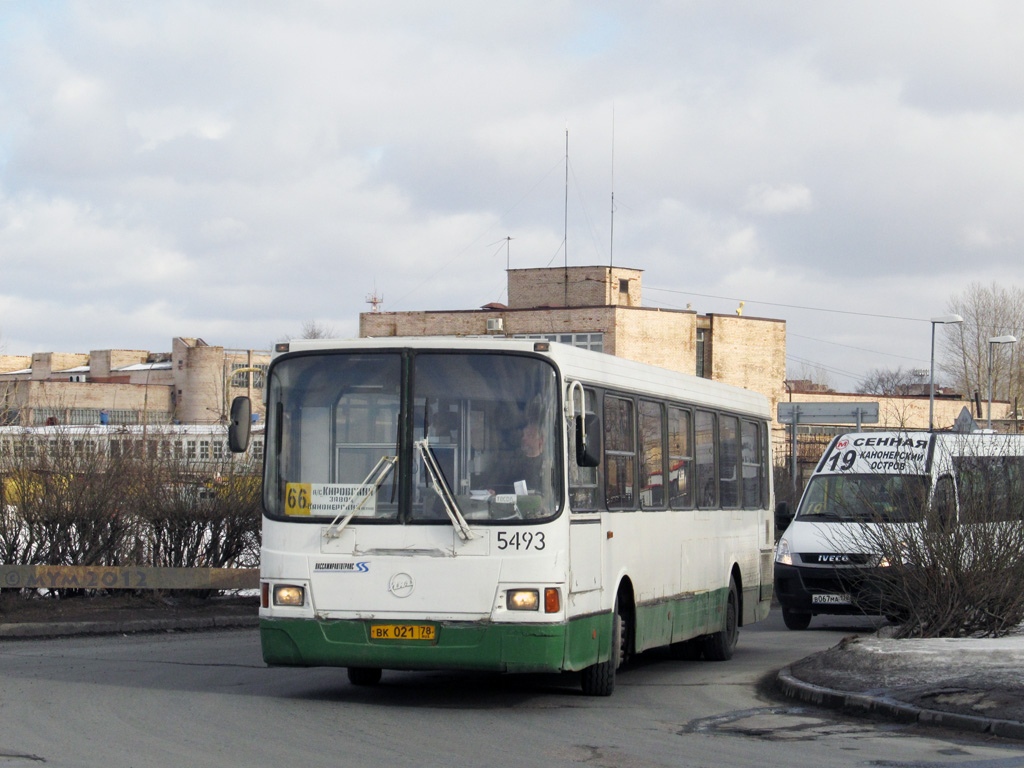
(481, 646)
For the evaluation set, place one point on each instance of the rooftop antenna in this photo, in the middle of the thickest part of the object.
(611, 240)
(374, 300)
(565, 222)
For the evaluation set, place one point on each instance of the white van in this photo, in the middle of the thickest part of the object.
(875, 478)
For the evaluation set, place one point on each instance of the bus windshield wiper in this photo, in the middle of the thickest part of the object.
(362, 494)
(443, 490)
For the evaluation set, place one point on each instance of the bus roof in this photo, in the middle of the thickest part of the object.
(589, 367)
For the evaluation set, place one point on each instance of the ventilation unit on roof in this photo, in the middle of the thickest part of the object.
(495, 324)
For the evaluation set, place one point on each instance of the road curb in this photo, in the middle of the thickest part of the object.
(884, 706)
(29, 630)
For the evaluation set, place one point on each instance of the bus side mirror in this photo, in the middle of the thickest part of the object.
(588, 440)
(238, 428)
(783, 516)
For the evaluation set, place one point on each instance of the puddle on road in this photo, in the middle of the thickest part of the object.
(779, 724)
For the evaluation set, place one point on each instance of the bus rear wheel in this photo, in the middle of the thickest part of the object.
(599, 679)
(719, 646)
(364, 675)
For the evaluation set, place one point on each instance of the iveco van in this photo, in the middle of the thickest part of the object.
(823, 560)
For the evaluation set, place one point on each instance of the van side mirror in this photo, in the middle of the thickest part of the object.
(783, 516)
(588, 440)
(240, 424)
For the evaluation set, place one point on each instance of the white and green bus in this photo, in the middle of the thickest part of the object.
(505, 505)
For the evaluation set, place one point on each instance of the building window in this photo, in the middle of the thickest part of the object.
(591, 341)
(701, 333)
(241, 380)
(623, 286)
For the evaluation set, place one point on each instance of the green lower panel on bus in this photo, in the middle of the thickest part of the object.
(455, 645)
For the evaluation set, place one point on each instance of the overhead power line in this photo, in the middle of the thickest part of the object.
(788, 306)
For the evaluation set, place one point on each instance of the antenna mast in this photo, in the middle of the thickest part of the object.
(565, 222)
(611, 239)
(374, 300)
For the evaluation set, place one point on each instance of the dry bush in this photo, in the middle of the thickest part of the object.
(69, 500)
(64, 504)
(194, 516)
(951, 575)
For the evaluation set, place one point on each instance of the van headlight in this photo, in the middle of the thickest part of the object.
(782, 553)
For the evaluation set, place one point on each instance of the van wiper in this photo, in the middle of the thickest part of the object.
(443, 490)
(362, 494)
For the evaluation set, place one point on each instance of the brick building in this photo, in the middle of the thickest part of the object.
(191, 384)
(601, 308)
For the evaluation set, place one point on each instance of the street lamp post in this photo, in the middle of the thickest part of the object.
(944, 320)
(991, 343)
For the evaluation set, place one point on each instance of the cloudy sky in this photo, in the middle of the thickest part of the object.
(233, 169)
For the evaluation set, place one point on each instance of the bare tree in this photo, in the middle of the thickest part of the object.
(818, 375)
(988, 311)
(312, 329)
(893, 381)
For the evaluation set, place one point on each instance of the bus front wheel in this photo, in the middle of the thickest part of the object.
(599, 679)
(720, 645)
(364, 675)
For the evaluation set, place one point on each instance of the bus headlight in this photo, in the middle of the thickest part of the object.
(782, 553)
(522, 600)
(289, 595)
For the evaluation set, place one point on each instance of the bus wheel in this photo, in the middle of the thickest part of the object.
(364, 675)
(795, 619)
(687, 650)
(719, 646)
(599, 679)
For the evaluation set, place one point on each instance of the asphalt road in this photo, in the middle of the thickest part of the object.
(206, 699)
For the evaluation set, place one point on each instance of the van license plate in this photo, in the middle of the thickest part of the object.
(830, 599)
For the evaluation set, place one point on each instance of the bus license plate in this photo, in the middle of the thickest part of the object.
(831, 599)
(402, 632)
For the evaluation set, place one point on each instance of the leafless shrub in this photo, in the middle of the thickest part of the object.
(65, 503)
(197, 512)
(948, 569)
(66, 499)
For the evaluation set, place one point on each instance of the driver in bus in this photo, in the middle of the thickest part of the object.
(524, 472)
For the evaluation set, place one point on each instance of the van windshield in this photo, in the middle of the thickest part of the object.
(865, 498)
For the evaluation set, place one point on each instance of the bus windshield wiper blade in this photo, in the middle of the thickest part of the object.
(440, 486)
(376, 477)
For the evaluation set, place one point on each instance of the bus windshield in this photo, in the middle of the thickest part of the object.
(349, 434)
(865, 498)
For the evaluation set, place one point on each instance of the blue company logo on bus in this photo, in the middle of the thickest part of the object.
(361, 567)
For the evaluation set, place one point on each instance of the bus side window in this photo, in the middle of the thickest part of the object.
(619, 453)
(945, 501)
(582, 476)
(680, 457)
(728, 461)
(707, 454)
(652, 453)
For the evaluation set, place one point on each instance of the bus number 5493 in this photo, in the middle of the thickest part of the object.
(520, 540)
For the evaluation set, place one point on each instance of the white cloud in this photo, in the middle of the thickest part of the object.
(228, 170)
(778, 199)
